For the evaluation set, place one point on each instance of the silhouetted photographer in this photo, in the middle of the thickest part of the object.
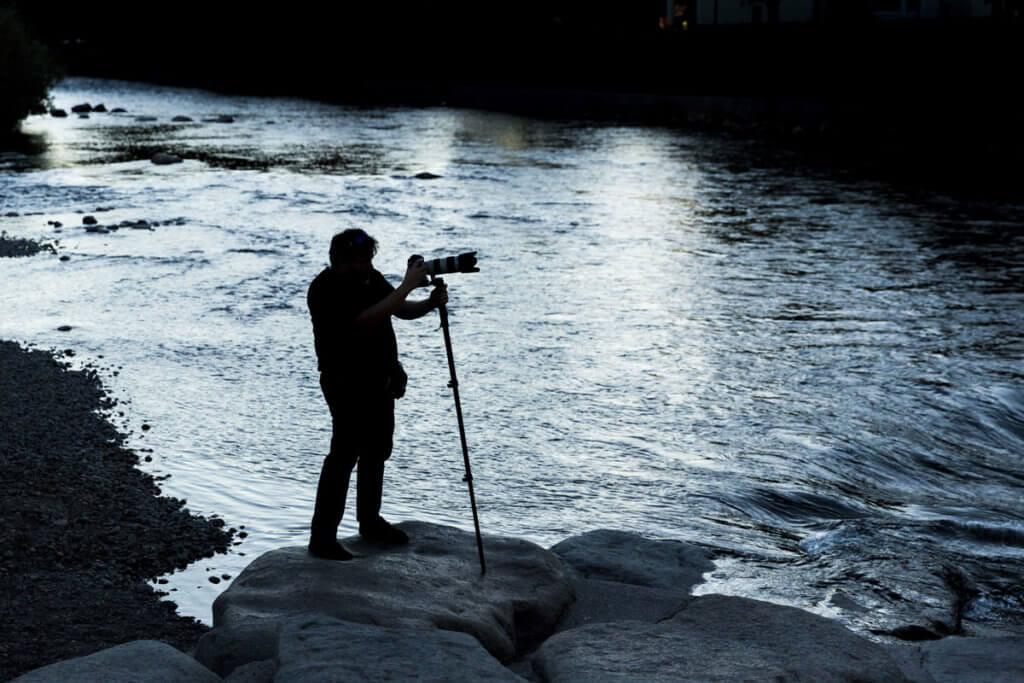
(351, 305)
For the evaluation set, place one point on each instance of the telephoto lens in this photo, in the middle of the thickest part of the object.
(463, 263)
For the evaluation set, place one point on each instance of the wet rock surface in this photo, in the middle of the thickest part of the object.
(628, 558)
(319, 648)
(433, 582)
(141, 660)
(82, 529)
(717, 638)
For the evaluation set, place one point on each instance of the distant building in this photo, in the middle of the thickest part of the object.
(754, 12)
(711, 12)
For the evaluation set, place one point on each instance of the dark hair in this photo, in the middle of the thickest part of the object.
(352, 244)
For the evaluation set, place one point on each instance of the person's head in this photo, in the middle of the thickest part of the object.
(352, 251)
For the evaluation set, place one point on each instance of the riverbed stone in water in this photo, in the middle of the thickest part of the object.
(625, 557)
(319, 648)
(717, 638)
(134, 662)
(165, 158)
(434, 582)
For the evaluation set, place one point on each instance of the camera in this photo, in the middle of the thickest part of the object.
(463, 263)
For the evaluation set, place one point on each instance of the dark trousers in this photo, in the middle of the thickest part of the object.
(362, 425)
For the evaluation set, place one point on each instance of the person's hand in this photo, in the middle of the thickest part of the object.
(415, 274)
(439, 295)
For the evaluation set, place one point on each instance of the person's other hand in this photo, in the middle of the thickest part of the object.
(439, 296)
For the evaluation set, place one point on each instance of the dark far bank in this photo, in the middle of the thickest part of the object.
(917, 82)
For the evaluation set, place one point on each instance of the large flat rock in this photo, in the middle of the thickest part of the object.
(434, 582)
(716, 638)
(598, 601)
(997, 659)
(625, 557)
(140, 661)
(319, 648)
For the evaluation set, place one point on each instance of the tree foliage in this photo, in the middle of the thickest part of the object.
(27, 71)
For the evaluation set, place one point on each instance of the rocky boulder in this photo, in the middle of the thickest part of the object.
(996, 659)
(318, 648)
(434, 582)
(716, 638)
(623, 557)
(136, 662)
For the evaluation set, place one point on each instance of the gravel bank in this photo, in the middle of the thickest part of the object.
(81, 528)
(17, 246)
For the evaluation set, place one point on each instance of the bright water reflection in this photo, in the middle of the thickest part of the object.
(681, 335)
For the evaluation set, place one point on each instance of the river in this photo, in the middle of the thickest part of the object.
(682, 334)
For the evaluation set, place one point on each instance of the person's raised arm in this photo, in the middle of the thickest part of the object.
(415, 274)
(410, 310)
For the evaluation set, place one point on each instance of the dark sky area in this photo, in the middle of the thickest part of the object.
(309, 47)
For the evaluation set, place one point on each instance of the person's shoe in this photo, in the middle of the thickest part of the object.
(380, 531)
(330, 551)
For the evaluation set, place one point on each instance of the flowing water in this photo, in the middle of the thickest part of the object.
(679, 334)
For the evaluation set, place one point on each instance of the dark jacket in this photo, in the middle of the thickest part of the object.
(363, 358)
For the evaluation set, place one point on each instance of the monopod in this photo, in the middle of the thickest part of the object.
(454, 384)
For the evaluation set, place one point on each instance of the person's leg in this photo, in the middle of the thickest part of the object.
(372, 526)
(379, 426)
(332, 489)
(331, 493)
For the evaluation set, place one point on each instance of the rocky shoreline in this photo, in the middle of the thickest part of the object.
(82, 529)
(605, 605)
